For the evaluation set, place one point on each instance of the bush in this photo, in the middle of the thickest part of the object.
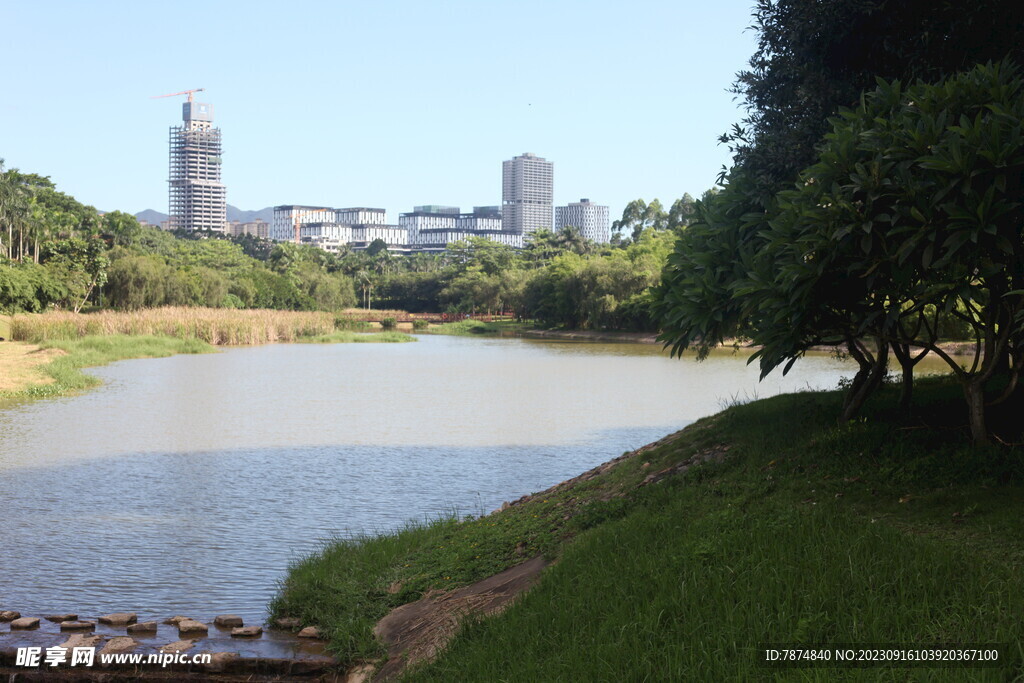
(420, 324)
(389, 323)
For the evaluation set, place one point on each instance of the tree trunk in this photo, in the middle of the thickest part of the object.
(974, 392)
(867, 380)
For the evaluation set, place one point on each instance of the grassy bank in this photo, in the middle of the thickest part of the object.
(63, 374)
(346, 337)
(468, 328)
(888, 530)
(60, 344)
(216, 326)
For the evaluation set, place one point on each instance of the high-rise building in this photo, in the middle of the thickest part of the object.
(198, 200)
(527, 191)
(591, 219)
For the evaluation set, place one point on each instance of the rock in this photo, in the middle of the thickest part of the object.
(192, 626)
(178, 646)
(219, 661)
(228, 621)
(144, 627)
(58, 618)
(288, 622)
(80, 640)
(77, 625)
(361, 673)
(25, 623)
(119, 619)
(309, 632)
(247, 632)
(119, 644)
(173, 621)
(9, 615)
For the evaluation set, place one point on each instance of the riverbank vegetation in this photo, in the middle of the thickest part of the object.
(347, 337)
(58, 253)
(57, 345)
(211, 325)
(63, 373)
(889, 529)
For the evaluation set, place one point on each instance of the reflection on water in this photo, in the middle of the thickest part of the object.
(187, 484)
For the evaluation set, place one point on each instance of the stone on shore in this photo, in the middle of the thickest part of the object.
(119, 619)
(192, 626)
(173, 621)
(178, 646)
(9, 615)
(228, 621)
(58, 618)
(219, 661)
(77, 625)
(144, 627)
(247, 632)
(288, 622)
(25, 623)
(119, 644)
(309, 632)
(81, 640)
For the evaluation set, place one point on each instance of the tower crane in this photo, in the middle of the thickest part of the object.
(183, 92)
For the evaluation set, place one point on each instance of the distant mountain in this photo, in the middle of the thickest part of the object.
(234, 214)
(152, 217)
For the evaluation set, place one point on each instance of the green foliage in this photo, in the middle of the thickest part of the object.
(81, 264)
(813, 58)
(420, 325)
(347, 337)
(388, 323)
(28, 287)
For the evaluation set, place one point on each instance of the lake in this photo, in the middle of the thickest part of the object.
(186, 485)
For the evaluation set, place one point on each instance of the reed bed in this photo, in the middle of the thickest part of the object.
(216, 326)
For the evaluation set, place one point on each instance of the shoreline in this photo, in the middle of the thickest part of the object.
(53, 368)
(953, 348)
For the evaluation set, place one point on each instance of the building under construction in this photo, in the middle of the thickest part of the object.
(198, 199)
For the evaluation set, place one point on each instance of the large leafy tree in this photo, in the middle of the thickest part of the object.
(913, 212)
(814, 57)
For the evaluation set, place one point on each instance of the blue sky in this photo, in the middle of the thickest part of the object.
(386, 103)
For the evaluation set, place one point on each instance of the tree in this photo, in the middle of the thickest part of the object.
(916, 207)
(81, 264)
(639, 215)
(814, 57)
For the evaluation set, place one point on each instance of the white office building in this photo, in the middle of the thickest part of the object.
(282, 228)
(591, 219)
(433, 227)
(527, 194)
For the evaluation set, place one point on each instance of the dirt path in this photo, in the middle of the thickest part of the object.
(418, 630)
(19, 365)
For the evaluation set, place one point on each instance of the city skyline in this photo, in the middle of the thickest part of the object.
(414, 104)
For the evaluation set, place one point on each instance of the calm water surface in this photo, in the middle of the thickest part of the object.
(186, 485)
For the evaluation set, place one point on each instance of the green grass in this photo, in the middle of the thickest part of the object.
(887, 530)
(466, 328)
(66, 370)
(346, 337)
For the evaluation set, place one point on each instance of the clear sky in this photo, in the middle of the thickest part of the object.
(381, 103)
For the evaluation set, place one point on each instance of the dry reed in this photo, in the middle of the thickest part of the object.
(217, 326)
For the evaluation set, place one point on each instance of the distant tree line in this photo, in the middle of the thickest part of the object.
(59, 253)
